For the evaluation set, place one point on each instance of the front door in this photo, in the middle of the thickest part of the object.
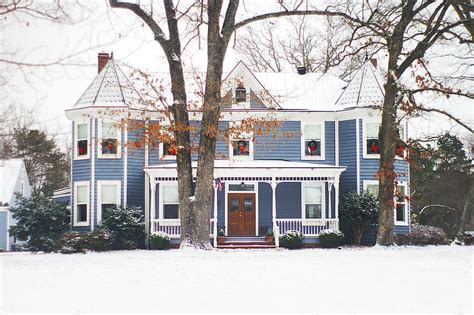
(241, 214)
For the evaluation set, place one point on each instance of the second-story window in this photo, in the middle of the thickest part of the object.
(109, 140)
(82, 141)
(372, 138)
(312, 144)
(241, 147)
(169, 150)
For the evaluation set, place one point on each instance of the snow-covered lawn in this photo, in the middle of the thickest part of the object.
(403, 279)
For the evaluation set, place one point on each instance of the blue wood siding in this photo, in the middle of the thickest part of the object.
(347, 155)
(3, 230)
(283, 144)
(288, 200)
(221, 206)
(135, 173)
(222, 146)
(264, 208)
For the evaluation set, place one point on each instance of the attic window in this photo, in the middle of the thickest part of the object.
(240, 93)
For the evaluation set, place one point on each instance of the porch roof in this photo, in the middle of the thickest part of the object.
(255, 168)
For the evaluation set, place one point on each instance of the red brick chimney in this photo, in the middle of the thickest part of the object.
(102, 59)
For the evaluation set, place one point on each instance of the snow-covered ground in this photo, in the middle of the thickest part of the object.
(403, 279)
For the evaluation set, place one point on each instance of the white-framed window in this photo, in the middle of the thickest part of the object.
(81, 203)
(401, 204)
(371, 140)
(167, 151)
(240, 93)
(108, 195)
(169, 201)
(241, 146)
(401, 151)
(82, 139)
(313, 201)
(312, 141)
(109, 140)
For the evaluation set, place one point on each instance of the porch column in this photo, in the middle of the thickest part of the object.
(336, 201)
(276, 232)
(153, 202)
(147, 210)
(215, 214)
(330, 198)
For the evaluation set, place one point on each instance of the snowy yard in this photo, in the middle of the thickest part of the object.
(431, 279)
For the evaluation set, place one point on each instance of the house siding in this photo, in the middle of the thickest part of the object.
(347, 156)
(283, 144)
(4, 240)
(288, 201)
(264, 208)
(135, 173)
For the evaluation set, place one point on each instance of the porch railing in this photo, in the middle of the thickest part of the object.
(172, 227)
(309, 227)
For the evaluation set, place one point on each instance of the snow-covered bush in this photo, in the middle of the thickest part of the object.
(40, 222)
(126, 225)
(423, 235)
(292, 240)
(98, 241)
(160, 241)
(468, 238)
(357, 213)
(71, 243)
(330, 238)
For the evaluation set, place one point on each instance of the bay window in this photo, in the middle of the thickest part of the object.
(81, 203)
(108, 196)
(82, 141)
(109, 135)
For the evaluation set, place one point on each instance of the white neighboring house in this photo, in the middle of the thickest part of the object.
(13, 179)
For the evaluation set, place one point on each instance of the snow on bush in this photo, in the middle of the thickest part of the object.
(75, 242)
(330, 238)
(292, 240)
(160, 240)
(423, 235)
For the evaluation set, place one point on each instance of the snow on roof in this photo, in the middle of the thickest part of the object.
(365, 88)
(255, 164)
(312, 91)
(110, 87)
(9, 172)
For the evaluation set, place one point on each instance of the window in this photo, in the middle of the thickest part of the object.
(372, 139)
(81, 204)
(168, 149)
(241, 146)
(108, 196)
(401, 204)
(312, 141)
(401, 151)
(313, 201)
(240, 93)
(82, 141)
(109, 145)
(170, 199)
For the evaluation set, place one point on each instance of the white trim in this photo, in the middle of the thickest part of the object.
(160, 201)
(88, 212)
(76, 151)
(405, 202)
(322, 125)
(323, 199)
(125, 164)
(163, 156)
(358, 154)
(336, 141)
(371, 182)
(364, 138)
(118, 135)
(227, 192)
(118, 190)
(92, 191)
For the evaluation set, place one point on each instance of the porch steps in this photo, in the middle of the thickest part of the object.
(245, 243)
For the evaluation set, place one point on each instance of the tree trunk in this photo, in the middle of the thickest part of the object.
(467, 211)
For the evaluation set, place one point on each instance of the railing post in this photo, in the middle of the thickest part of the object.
(215, 215)
(330, 198)
(336, 202)
(276, 234)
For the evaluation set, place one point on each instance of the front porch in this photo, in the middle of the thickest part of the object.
(251, 197)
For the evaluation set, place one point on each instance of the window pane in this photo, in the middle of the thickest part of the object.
(109, 131)
(313, 148)
(82, 147)
(373, 146)
(81, 194)
(109, 146)
(170, 194)
(171, 211)
(248, 204)
(401, 193)
(400, 216)
(241, 147)
(168, 149)
(81, 213)
(372, 130)
(82, 131)
(313, 194)
(240, 94)
(312, 132)
(234, 205)
(374, 190)
(313, 211)
(109, 194)
(105, 207)
(240, 187)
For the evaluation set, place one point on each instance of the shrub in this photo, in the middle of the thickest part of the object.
(330, 238)
(357, 214)
(72, 242)
(422, 235)
(98, 241)
(126, 225)
(40, 222)
(468, 238)
(292, 240)
(160, 241)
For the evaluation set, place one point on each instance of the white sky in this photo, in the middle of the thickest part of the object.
(54, 89)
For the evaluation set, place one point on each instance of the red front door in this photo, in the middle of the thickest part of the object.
(241, 214)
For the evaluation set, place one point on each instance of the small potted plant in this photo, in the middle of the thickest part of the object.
(269, 238)
(220, 235)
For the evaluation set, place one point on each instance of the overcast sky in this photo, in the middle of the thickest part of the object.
(54, 89)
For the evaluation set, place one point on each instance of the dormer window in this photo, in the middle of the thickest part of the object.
(240, 93)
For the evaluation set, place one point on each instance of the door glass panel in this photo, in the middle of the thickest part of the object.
(248, 204)
(234, 205)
